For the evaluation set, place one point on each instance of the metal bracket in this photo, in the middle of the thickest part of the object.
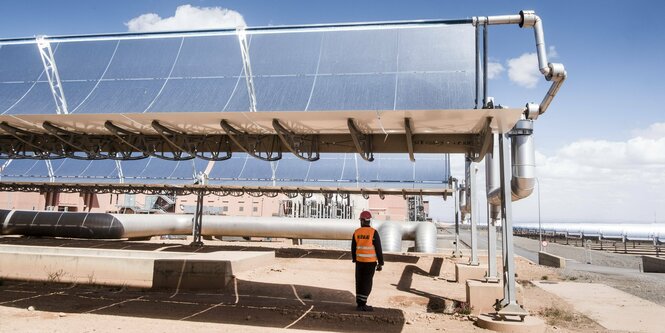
(487, 141)
(305, 146)
(43, 146)
(51, 70)
(363, 142)
(254, 144)
(140, 143)
(409, 138)
(190, 144)
(90, 146)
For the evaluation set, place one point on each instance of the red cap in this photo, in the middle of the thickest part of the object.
(365, 215)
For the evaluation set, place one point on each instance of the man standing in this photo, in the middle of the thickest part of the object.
(365, 252)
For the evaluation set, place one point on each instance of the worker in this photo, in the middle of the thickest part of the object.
(367, 254)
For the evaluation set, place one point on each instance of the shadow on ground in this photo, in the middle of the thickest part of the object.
(436, 303)
(255, 304)
(240, 302)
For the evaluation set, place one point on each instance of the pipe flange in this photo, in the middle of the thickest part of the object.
(522, 127)
(532, 111)
(557, 72)
(528, 18)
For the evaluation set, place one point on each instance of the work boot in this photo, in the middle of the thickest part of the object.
(365, 308)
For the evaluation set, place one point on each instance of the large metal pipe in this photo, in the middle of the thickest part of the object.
(523, 156)
(116, 226)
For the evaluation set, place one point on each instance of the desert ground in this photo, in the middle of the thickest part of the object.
(310, 287)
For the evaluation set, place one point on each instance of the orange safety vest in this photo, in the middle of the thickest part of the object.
(365, 251)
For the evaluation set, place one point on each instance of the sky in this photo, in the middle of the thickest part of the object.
(600, 147)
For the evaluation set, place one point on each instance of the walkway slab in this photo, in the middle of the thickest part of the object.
(609, 307)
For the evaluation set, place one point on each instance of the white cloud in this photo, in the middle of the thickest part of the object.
(187, 17)
(591, 180)
(552, 53)
(606, 180)
(494, 69)
(523, 70)
(654, 131)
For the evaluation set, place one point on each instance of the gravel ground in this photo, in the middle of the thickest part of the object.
(621, 271)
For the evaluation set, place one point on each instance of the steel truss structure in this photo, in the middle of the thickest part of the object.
(170, 144)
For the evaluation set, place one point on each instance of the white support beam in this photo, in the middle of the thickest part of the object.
(49, 168)
(249, 78)
(121, 175)
(51, 70)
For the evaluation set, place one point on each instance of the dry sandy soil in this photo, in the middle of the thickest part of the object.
(307, 288)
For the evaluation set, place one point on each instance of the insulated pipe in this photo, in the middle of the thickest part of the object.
(391, 236)
(424, 241)
(117, 226)
(523, 155)
(552, 71)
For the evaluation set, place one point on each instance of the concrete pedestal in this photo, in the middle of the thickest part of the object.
(481, 295)
(464, 272)
(530, 324)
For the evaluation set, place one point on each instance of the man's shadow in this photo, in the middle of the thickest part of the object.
(436, 303)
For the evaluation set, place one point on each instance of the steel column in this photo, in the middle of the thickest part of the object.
(198, 220)
(508, 306)
(471, 170)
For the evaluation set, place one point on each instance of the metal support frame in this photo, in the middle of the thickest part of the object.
(263, 147)
(221, 190)
(52, 75)
(408, 132)
(493, 213)
(456, 251)
(208, 147)
(362, 142)
(137, 142)
(76, 143)
(162, 141)
(198, 220)
(471, 170)
(31, 145)
(303, 146)
(508, 305)
(247, 67)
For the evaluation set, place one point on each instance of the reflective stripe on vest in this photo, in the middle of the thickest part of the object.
(365, 251)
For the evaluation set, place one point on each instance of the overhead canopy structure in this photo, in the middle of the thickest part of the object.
(226, 95)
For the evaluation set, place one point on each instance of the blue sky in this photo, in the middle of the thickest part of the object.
(601, 145)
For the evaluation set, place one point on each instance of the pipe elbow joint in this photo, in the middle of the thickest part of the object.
(532, 111)
(528, 18)
(556, 72)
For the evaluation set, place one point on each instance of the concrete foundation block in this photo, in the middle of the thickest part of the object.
(464, 272)
(530, 324)
(551, 260)
(653, 264)
(143, 269)
(481, 296)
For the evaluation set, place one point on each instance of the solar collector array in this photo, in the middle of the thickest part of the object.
(409, 67)
(396, 68)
